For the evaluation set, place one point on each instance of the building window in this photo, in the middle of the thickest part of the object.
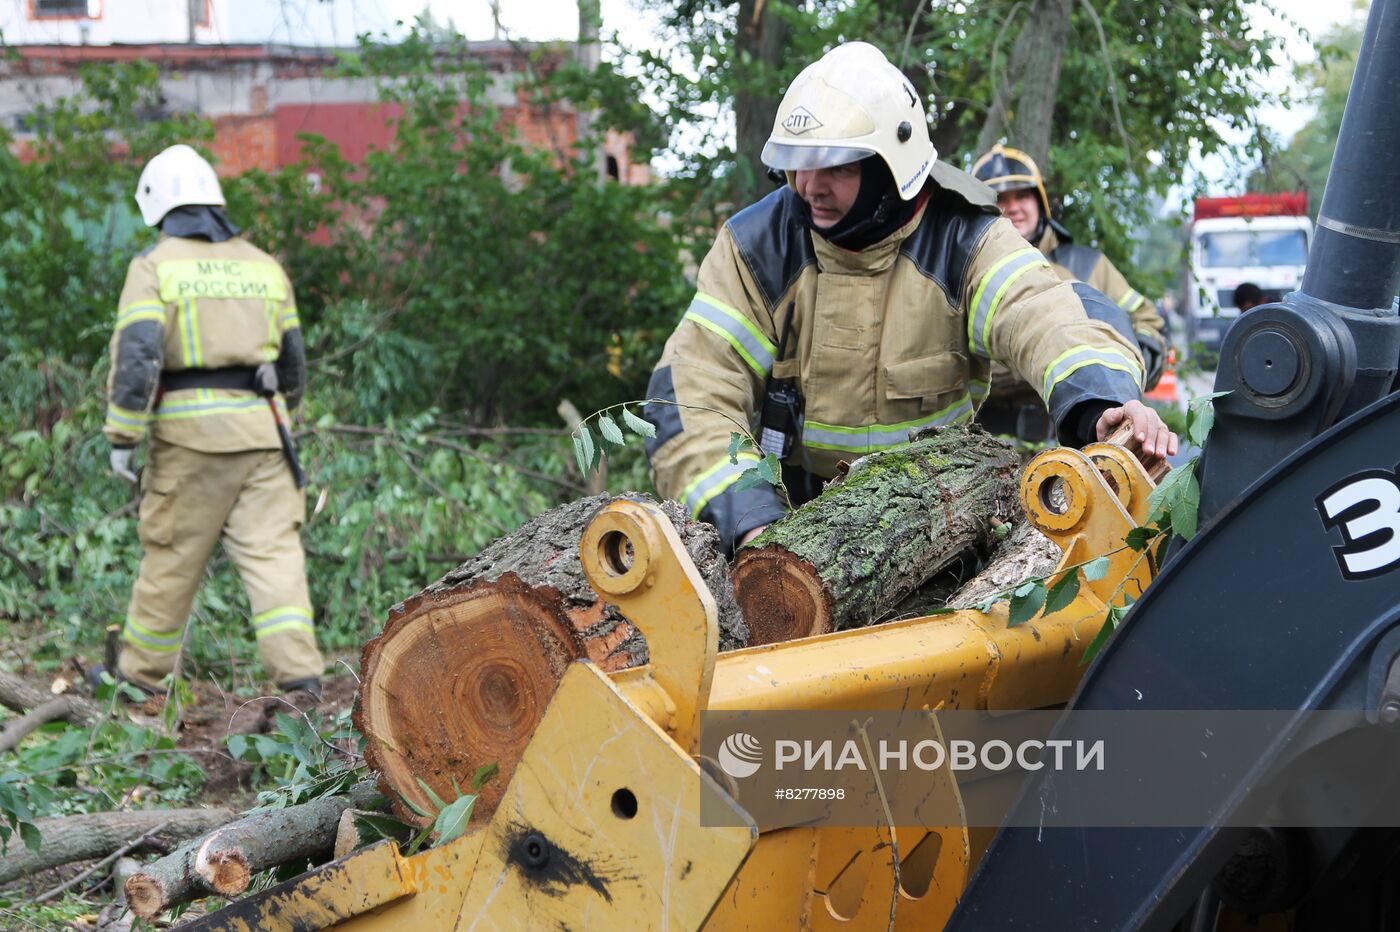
(66, 9)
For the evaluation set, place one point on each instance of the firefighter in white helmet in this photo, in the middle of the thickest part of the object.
(866, 298)
(1014, 406)
(207, 358)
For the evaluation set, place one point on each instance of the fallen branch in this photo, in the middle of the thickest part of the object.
(30, 571)
(84, 837)
(1025, 554)
(59, 708)
(120, 852)
(225, 860)
(19, 696)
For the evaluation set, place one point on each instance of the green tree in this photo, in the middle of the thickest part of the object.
(68, 225)
(1114, 95)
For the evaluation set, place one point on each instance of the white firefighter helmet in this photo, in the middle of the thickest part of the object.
(176, 177)
(849, 104)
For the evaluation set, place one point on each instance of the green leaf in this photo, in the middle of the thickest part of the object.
(484, 775)
(1025, 607)
(770, 469)
(452, 821)
(1099, 640)
(415, 808)
(1184, 512)
(1164, 497)
(749, 478)
(377, 826)
(1026, 588)
(238, 745)
(1200, 417)
(610, 431)
(737, 442)
(437, 800)
(580, 454)
(1110, 624)
(417, 842)
(1001, 531)
(1062, 593)
(1199, 420)
(1138, 537)
(32, 839)
(1097, 568)
(638, 425)
(590, 452)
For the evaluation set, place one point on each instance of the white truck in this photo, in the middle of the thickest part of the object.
(1258, 238)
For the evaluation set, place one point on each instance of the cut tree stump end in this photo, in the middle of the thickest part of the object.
(780, 595)
(458, 680)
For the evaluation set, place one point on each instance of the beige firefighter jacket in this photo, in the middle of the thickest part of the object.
(1076, 263)
(885, 340)
(192, 304)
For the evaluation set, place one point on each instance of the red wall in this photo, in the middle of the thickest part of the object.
(356, 127)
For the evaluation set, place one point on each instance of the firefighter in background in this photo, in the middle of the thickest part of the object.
(867, 298)
(207, 357)
(1013, 406)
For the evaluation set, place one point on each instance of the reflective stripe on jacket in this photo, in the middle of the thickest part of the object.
(192, 304)
(1074, 262)
(894, 337)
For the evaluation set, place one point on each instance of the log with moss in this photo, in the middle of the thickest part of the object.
(463, 671)
(848, 557)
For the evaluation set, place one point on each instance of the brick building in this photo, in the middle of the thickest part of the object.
(258, 95)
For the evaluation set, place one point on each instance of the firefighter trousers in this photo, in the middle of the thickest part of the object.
(189, 501)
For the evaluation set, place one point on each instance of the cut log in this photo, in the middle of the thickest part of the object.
(1025, 554)
(225, 860)
(463, 671)
(84, 837)
(544, 553)
(347, 834)
(848, 557)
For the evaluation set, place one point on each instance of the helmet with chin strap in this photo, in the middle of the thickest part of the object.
(846, 106)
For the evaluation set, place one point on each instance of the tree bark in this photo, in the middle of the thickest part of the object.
(19, 696)
(1034, 71)
(760, 36)
(59, 708)
(84, 837)
(1025, 554)
(462, 672)
(850, 556)
(225, 860)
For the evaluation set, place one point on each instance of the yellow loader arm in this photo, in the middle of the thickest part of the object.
(600, 825)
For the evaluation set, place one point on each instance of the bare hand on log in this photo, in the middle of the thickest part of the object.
(1149, 430)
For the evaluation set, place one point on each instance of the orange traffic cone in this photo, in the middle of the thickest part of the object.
(1165, 389)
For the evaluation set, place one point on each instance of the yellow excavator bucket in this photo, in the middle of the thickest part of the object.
(600, 826)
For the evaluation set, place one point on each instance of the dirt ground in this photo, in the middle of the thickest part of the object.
(205, 726)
